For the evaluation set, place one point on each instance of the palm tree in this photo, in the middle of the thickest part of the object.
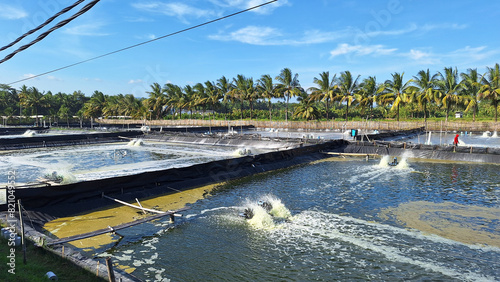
(396, 92)
(471, 88)
(288, 85)
(156, 101)
(325, 90)
(32, 98)
(368, 93)
(176, 99)
(129, 105)
(224, 87)
(424, 88)
(95, 106)
(268, 90)
(347, 88)
(491, 87)
(448, 88)
(306, 108)
(189, 99)
(241, 90)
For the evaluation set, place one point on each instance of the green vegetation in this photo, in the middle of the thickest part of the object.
(39, 262)
(425, 95)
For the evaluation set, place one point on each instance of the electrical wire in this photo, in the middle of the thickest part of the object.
(57, 26)
(49, 20)
(146, 42)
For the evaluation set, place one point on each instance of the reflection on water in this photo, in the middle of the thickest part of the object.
(352, 220)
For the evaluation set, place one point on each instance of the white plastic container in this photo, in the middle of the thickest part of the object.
(51, 276)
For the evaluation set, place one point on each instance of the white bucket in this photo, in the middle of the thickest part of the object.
(17, 241)
(5, 233)
(51, 276)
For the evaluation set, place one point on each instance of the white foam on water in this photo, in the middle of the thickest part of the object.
(322, 232)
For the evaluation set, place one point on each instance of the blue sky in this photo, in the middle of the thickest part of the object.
(369, 38)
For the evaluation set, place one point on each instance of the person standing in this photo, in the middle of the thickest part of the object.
(455, 141)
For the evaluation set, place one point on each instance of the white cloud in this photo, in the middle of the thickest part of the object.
(175, 9)
(51, 77)
(262, 35)
(11, 13)
(246, 4)
(361, 50)
(418, 55)
(254, 35)
(428, 27)
(91, 29)
(28, 75)
(135, 81)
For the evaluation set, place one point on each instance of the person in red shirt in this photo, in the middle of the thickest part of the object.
(455, 141)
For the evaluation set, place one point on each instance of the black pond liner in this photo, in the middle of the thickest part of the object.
(65, 140)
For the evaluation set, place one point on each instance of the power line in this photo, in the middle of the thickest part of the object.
(49, 20)
(146, 42)
(57, 26)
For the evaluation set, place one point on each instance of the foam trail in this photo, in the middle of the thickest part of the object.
(316, 227)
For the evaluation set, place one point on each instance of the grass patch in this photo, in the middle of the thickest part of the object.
(38, 262)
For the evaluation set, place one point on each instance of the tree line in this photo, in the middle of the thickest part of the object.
(345, 96)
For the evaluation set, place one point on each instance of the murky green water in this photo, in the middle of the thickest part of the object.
(350, 220)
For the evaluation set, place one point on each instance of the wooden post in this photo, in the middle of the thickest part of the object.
(111, 274)
(23, 243)
(97, 271)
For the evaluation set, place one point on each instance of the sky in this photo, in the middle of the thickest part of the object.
(367, 38)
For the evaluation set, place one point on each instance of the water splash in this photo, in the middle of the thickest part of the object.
(495, 135)
(263, 219)
(136, 142)
(385, 160)
(64, 173)
(29, 133)
(429, 139)
(279, 210)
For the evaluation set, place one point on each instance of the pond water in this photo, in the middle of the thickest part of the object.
(341, 219)
(80, 163)
(468, 139)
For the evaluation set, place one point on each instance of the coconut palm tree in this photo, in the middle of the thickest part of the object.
(268, 90)
(396, 90)
(471, 88)
(491, 87)
(289, 85)
(224, 87)
(368, 92)
(95, 106)
(307, 108)
(156, 101)
(424, 89)
(32, 98)
(448, 88)
(190, 100)
(347, 86)
(325, 91)
(243, 91)
(176, 100)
